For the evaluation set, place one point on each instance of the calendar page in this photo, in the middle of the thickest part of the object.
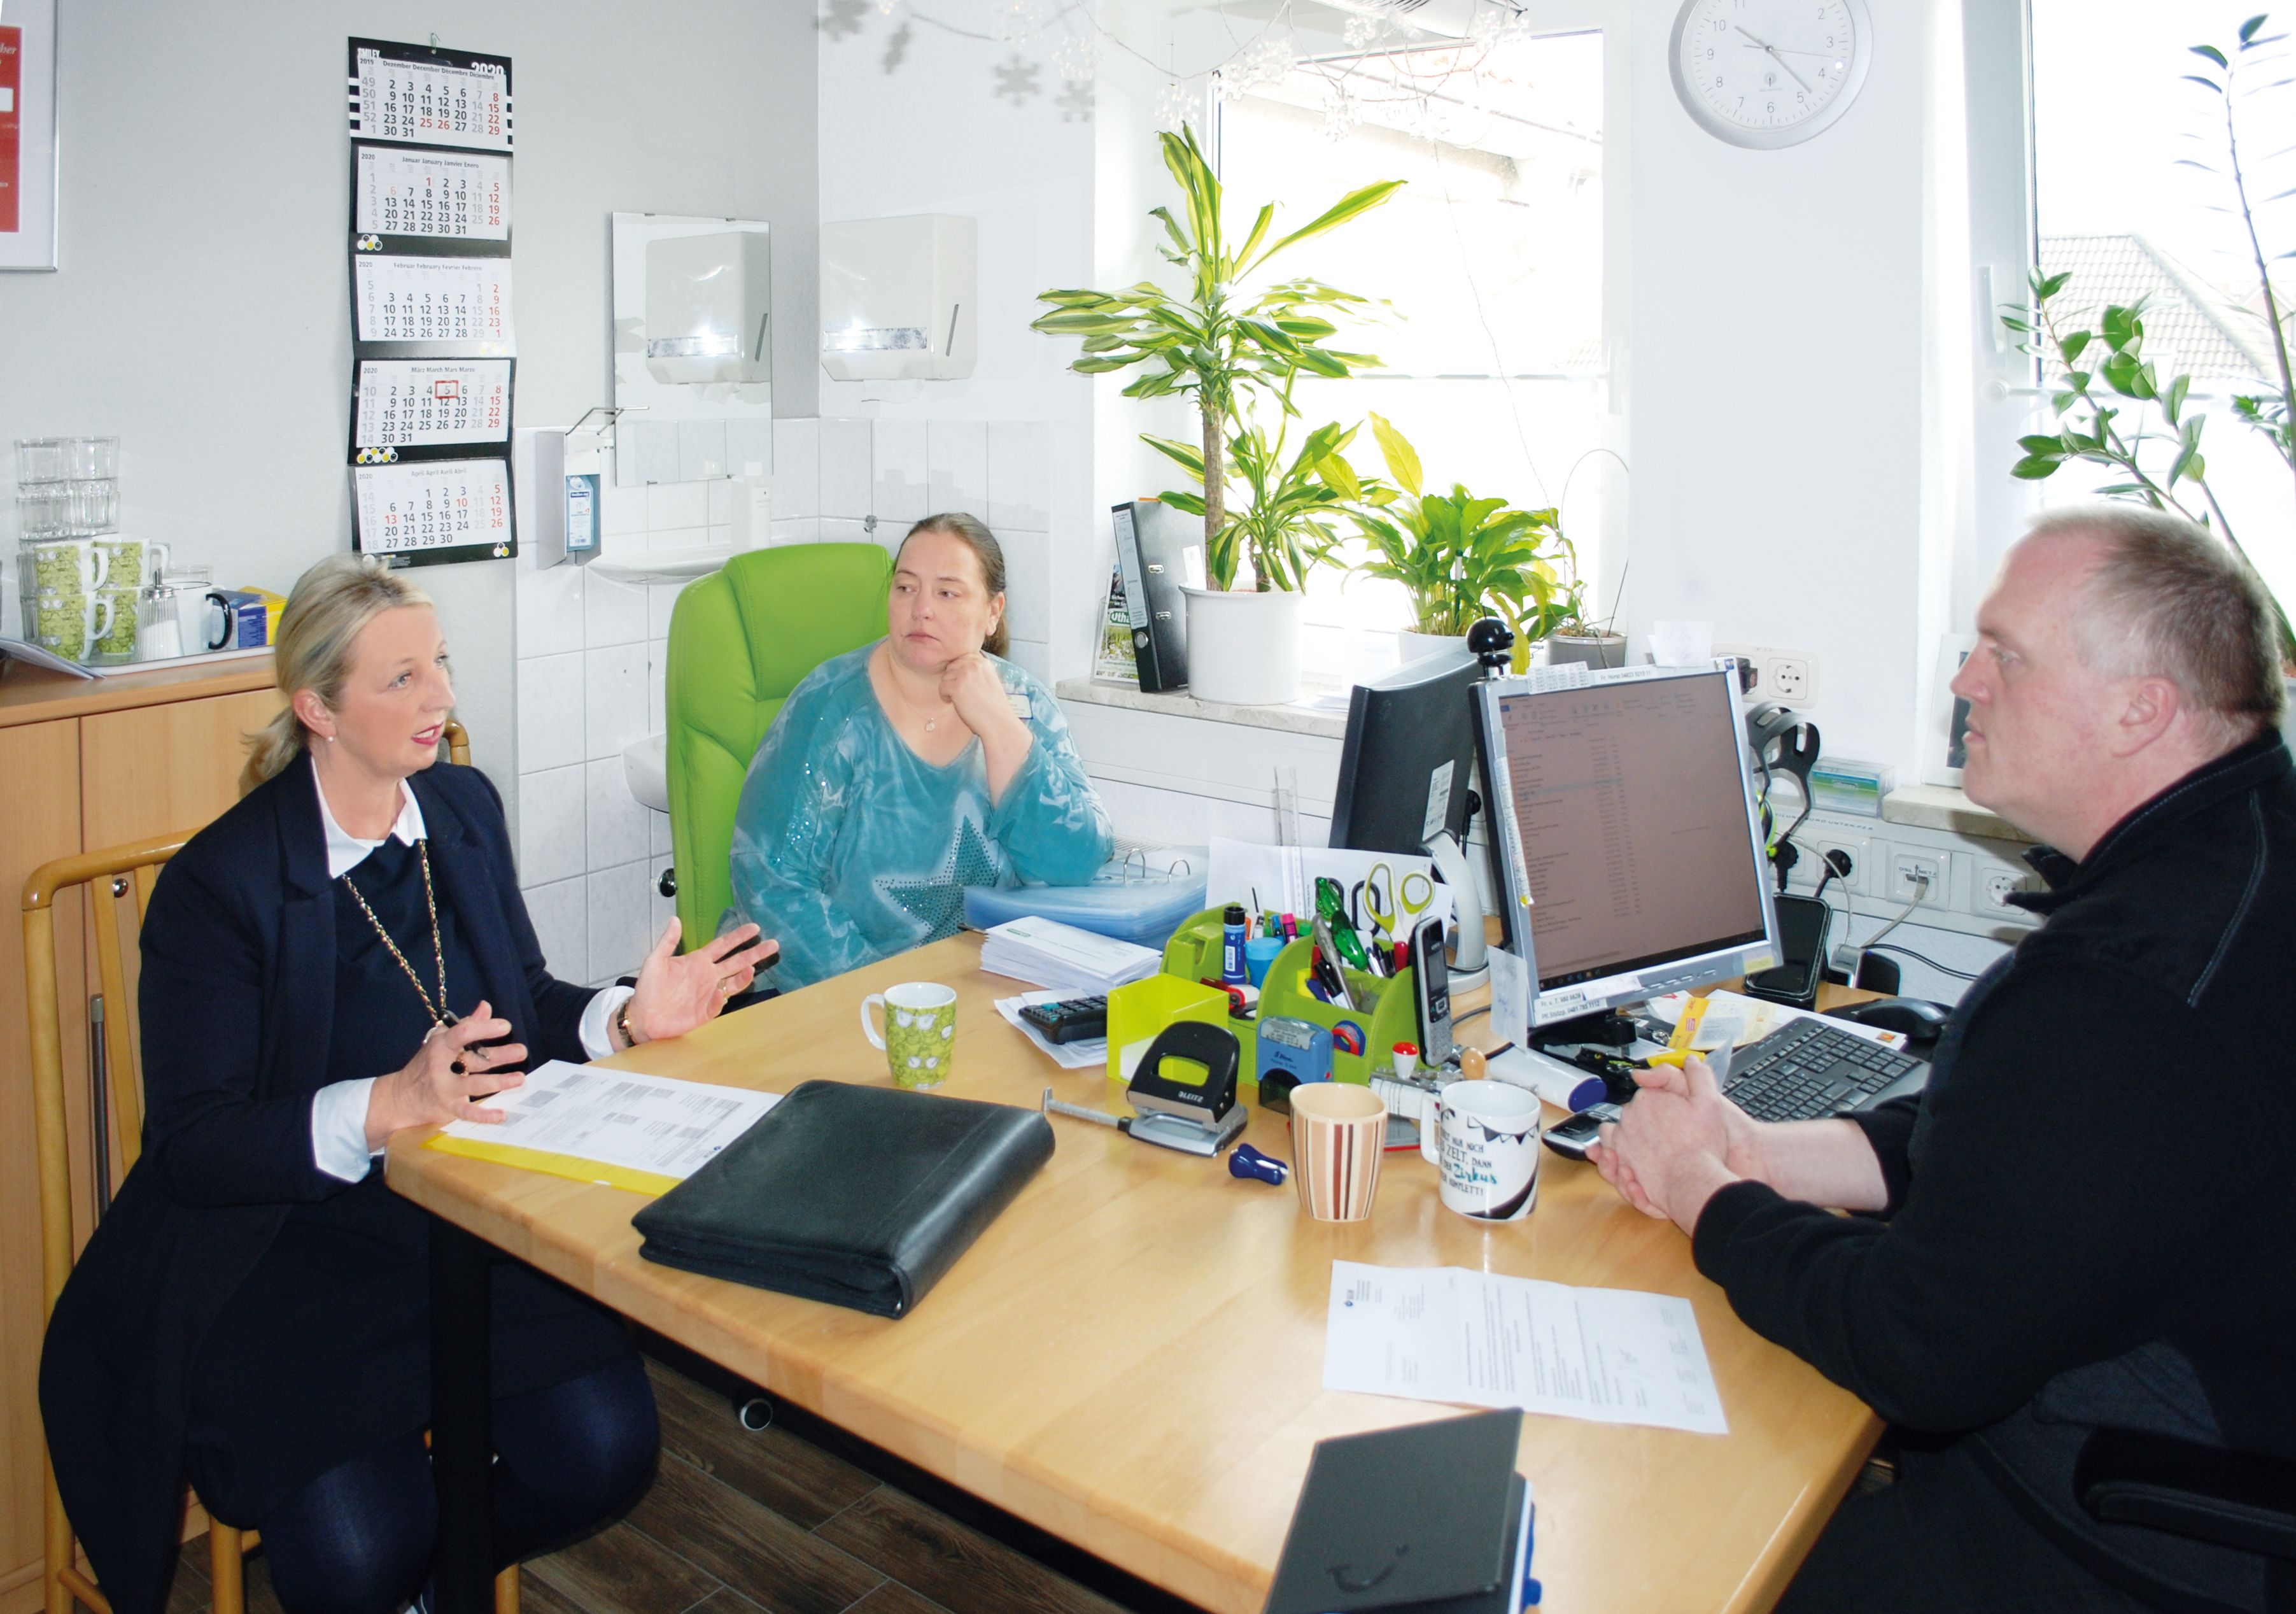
(421, 509)
(463, 300)
(430, 97)
(420, 404)
(403, 193)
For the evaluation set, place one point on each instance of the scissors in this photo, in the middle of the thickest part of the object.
(1412, 895)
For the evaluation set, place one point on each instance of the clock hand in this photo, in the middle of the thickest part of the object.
(1781, 60)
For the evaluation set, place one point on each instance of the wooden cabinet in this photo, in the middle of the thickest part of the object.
(83, 766)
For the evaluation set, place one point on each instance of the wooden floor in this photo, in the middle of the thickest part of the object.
(738, 1522)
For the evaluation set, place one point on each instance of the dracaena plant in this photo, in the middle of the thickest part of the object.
(1297, 501)
(1235, 340)
(1459, 557)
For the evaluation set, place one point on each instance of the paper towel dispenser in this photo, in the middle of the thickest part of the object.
(709, 305)
(898, 298)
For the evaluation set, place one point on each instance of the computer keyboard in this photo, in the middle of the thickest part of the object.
(1808, 1070)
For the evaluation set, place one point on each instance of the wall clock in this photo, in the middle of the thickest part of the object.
(1769, 73)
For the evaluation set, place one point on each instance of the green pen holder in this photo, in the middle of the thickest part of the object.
(1388, 1012)
(1137, 1013)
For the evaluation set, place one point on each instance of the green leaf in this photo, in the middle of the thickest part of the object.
(1402, 459)
(1188, 504)
(2041, 445)
(2210, 53)
(2248, 28)
(2196, 78)
(2172, 402)
(2015, 324)
(2074, 345)
(2034, 468)
(1190, 457)
(2047, 286)
(1346, 207)
(1091, 364)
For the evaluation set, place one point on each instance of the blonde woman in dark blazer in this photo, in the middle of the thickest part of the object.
(342, 954)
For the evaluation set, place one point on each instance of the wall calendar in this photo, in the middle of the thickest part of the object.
(427, 96)
(432, 508)
(430, 194)
(412, 404)
(431, 327)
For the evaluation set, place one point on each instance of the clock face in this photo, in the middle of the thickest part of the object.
(1768, 73)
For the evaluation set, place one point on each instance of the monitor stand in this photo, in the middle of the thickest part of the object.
(1470, 965)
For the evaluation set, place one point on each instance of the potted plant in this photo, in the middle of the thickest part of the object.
(1458, 556)
(1237, 350)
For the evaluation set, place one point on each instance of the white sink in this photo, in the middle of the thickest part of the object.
(645, 764)
(664, 565)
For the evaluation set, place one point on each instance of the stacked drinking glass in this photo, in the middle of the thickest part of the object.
(77, 578)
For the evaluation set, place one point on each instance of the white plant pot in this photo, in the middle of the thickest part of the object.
(1414, 645)
(1244, 647)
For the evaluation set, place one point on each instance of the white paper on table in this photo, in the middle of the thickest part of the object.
(1083, 1054)
(1743, 1021)
(1510, 997)
(1283, 878)
(1445, 1333)
(618, 1117)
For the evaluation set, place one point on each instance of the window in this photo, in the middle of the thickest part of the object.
(2113, 120)
(1491, 256)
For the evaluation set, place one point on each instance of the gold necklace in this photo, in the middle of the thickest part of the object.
(439, 1014)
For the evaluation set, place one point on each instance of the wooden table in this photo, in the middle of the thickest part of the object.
(1131, 1357)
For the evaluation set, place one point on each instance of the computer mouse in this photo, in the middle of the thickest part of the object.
(1920, 1020)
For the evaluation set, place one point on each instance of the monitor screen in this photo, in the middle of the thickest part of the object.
(1408, 756)
(1630, 821)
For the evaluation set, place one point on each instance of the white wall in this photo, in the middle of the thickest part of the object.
(1782, 312)
(930, 132)
(201, 311)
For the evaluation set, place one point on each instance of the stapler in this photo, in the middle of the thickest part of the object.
(1194, 1117)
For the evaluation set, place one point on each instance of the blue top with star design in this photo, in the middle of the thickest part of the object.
(849, 847)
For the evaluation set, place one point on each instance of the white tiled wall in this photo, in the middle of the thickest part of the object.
(592, 653)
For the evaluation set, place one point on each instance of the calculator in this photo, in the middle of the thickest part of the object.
(1071, 1020)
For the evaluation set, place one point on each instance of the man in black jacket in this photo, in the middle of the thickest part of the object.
(2088, 1220)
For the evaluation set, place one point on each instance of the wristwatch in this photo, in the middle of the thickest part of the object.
(622, 1022)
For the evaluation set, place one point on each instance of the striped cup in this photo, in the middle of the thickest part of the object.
(1339, 1130)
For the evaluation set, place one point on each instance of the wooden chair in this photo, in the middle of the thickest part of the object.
(111, 877)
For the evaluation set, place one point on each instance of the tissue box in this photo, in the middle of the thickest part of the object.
(1838, 784)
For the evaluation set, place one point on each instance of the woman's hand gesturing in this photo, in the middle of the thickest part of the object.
(677, 992)
(446, 1073)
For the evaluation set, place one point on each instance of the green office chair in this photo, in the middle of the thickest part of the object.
(740, 640)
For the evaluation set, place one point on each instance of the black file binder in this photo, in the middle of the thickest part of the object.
(1424, 1518)
(857, 1196)
(1151, 544)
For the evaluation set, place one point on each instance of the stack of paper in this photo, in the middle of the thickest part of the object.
(647, 1133)
(1052, 954)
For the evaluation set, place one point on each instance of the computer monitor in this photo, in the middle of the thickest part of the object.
(1408, 756)
(1405, 769)
(1630, 854)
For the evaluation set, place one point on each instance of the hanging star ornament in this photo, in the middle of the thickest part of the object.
(939, 903)
(1016, 79)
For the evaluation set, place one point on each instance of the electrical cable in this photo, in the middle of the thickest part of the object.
(1943, 969)
(1920, 880)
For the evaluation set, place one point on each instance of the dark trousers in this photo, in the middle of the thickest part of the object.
(358, 1539)
(1943, 1537)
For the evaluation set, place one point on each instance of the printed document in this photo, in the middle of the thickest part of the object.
(1445, 1333)
(618, 1117)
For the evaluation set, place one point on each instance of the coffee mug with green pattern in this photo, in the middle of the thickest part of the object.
(919, 1033)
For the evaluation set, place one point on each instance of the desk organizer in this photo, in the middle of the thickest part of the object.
(1138, 1012)
(1388, 1016)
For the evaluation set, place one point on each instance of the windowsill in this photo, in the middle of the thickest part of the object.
(1943, 807)
(1322, 710)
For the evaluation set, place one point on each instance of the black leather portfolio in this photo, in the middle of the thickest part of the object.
(858, 1195)
(1425, 1517)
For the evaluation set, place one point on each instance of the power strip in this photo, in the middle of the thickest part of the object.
(1968, 878)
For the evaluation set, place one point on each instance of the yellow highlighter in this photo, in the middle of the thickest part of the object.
(1686, 1032)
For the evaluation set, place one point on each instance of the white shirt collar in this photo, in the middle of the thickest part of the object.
(345, 850)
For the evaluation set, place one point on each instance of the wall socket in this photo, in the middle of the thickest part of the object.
(1790, 676)
(1907, 870)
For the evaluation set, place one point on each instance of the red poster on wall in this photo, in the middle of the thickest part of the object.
(12, 121)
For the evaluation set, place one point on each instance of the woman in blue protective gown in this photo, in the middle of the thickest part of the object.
(900, 773)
